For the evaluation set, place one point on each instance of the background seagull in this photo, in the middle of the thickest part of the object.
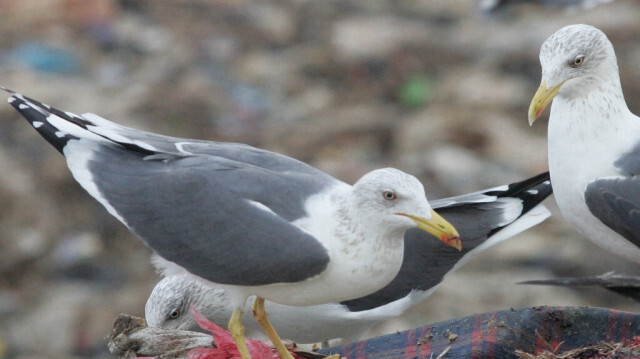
(594, 140)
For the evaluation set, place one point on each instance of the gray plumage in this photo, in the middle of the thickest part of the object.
(192, 189)
(198, 197)
(616, 202)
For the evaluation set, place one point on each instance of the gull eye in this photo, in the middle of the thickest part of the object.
(389, 195)
(174, 314)
(578, 61)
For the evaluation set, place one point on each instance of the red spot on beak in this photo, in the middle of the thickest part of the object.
(454, 242)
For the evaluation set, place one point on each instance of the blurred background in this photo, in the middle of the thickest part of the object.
(439, 89)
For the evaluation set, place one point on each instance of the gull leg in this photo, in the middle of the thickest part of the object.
(237, 332)
(261, 316)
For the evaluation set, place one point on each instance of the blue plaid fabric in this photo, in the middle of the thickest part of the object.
(499, 334)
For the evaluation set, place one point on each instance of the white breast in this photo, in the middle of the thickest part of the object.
(584, 143)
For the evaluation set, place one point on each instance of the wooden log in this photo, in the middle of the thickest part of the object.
(130, 337)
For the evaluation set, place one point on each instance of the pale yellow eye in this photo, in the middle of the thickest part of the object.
(578, 61)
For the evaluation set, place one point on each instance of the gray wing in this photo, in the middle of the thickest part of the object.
(615, 201)
(203, 208)
(162, 147)
(477, 217)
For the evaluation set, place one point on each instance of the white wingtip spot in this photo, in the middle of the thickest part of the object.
(533, 191)
(72, 115)
(11, 99)
(24, 106)
(180, 147)
(142, 144)
(260, 206)
(37, 124)
(66, 127)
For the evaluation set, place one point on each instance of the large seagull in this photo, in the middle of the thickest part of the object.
(253, 221)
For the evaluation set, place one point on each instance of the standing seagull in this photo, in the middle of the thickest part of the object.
(594, 140)
(483, 219)
(255, 222)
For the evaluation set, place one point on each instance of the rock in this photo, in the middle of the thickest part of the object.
(359, 38)
(482, 88)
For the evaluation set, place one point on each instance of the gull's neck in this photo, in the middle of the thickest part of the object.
(211, 300)
(357, 235)
(367, 248)
(363, 225)
(589, 127)
(350, 223)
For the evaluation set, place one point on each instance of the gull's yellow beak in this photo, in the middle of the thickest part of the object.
(438, 227)
(541, 99)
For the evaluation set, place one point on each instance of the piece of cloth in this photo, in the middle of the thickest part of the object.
(499, 334)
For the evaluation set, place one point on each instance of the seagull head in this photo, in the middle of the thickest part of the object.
(396, 201)
(575, 60)
(169, 302)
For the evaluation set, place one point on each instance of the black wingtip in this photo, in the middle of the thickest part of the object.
(540, 181)
(531, 191)
(36, 114)
(12, 94)
(8, 90)
(39, 115)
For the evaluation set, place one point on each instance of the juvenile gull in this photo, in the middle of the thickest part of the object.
(253, 221)
(483, 219)
(594, 140)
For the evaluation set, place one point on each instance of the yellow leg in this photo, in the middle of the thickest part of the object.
(261, 316)
(237, 332)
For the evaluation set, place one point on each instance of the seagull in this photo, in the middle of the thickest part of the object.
(594, 139)
(253, 221)
(483, 218)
